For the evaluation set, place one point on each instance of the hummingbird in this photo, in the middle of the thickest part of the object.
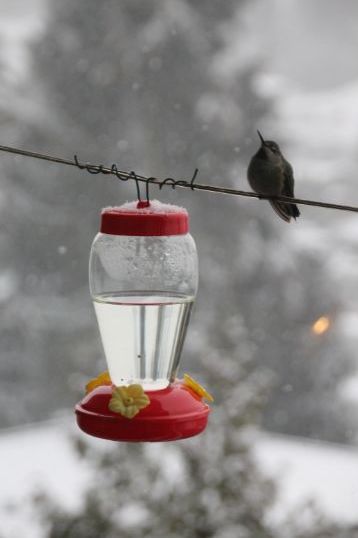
(269, 173)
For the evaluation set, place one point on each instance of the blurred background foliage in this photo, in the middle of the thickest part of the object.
(163, 87)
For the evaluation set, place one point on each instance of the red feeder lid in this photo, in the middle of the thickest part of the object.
(138, 218)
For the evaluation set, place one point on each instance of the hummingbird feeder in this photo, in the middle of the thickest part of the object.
(143, 277)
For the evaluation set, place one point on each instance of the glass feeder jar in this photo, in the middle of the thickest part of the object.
(143, 277)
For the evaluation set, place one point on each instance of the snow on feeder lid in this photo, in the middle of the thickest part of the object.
(153, 220)
(143, 281)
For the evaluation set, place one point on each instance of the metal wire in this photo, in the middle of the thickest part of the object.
(182, 183)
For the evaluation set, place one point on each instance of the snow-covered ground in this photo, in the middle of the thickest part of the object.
(308, 470)
(33, 460)
(41, 458)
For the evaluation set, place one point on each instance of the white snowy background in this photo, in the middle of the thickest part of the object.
(314, 87)
(40, 459)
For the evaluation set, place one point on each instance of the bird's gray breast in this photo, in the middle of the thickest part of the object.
(265, 177)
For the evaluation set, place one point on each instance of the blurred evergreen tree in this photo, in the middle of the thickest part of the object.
(137, 84)
(203, 487)
(143, 85)
(162, 53)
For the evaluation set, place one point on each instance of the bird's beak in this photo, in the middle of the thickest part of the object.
(261, 138)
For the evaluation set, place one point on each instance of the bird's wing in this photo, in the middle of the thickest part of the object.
(289, 182)
(288, 190)
(281, 209)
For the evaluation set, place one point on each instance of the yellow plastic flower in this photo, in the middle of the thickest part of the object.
(101, 379)
(197, 388)
(128, 401)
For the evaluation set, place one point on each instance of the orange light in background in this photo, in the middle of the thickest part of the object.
(321, 325)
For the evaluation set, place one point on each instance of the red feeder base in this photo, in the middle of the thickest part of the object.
(173, 413)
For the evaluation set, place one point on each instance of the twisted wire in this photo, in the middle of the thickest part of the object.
(181, 183)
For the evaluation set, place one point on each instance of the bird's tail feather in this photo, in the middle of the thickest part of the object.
(285, 211)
